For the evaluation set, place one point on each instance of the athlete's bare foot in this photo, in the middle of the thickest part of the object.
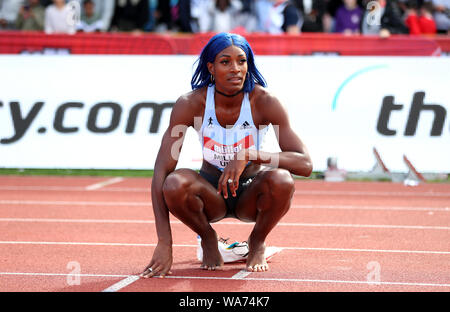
(212, 259)
(256, 261)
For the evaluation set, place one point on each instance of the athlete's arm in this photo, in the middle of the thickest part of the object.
(181, 118)
(294, 155)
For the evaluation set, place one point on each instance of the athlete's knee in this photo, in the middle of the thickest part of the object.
(281, 183)
(176, 186)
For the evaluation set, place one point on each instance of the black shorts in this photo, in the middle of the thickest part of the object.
(231, 201)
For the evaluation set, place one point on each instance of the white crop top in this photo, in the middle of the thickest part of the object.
(220, 144)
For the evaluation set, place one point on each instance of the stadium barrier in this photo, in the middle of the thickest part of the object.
(14, 42)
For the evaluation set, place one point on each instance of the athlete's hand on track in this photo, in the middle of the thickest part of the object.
(161, 262)
(231, 174)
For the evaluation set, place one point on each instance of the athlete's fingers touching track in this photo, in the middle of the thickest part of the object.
(154, 270)
(161, 262)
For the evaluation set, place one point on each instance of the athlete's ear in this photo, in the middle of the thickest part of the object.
(210, 67)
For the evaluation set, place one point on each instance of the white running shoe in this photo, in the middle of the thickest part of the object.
(234, 252)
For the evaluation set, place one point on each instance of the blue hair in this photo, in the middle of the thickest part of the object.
(202, 76)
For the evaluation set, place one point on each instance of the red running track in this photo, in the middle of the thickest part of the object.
(93, 233)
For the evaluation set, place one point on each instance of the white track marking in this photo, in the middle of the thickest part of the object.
(99, 185)
(375, 193)
(146, 204)
(72, 203)
(293, 224)
(90, 244)
(72, 189)
(241, 274)
(298, 280)
(360, 207)
(62, 274)
(195, 246)
(259, 279)
(122, 284)
(297, 192)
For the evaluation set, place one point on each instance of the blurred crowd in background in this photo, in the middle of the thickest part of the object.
(367, 17)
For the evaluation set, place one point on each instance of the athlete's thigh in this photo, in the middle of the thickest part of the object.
(246, 208)
(213, 204)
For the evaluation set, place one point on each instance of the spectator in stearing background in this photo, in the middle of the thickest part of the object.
(442, 15)
(426, 19)
(224, 15)
(261, 9)
(348, 18)
(164, 16)
(313, 12)
(419, 21)
(174, 15)
(392, 20)
(247, 16)
(46, 3)
(104, 9)
(412, 17)
(280, 17)
(57, 18)
(328, 19)
(200, 15)
(184, 18)
(130, 15)
(9, 9)
(386, 18)
(31, 16)
(90, 21)
(371, 20)
(151, 22)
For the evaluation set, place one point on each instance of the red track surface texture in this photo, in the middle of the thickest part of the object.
(95, 234)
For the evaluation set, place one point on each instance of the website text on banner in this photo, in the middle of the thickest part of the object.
(111, 111)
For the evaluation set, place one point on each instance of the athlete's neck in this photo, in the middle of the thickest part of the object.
(228, 95)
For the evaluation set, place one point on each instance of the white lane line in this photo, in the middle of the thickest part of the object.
(298, 280)
(62, 274)
(71, 188)
(379, 226)
(72, 203)
(195, 246)
(297, 192)
(241, 274)
(99, 185)
(375, 193)
(146, 204)
(292, 224)
(259, 279)
(89, 244)
(360, 207)
(122, 284)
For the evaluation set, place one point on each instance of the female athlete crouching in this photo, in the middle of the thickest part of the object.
(234, 109)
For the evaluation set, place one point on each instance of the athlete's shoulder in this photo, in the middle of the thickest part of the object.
(267, 106)
(263, 97)
(188, 106)
(192, 97)
(192, 100)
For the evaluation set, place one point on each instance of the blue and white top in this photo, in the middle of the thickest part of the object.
(220, 144)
